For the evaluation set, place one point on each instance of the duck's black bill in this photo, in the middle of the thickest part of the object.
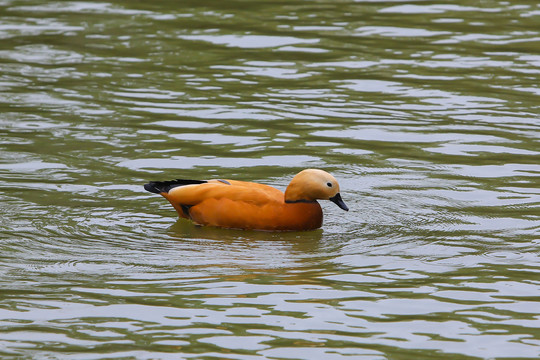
(336, 199)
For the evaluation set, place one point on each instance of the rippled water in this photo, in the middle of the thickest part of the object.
(427, 113)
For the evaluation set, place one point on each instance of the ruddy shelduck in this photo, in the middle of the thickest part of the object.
(248, 205)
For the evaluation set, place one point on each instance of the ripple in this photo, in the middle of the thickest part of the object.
(391, 31)
(378, 134)
(435, 9)
(31, 166)
(78, 7)
(12, 28)
(249, 41)
(475, 150)
(182, 162)
(41, 54)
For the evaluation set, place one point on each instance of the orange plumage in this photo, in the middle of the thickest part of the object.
(247, 205)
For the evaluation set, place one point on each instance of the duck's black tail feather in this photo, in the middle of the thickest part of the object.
(158, 187)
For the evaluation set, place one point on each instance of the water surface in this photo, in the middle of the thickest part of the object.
(427, 114)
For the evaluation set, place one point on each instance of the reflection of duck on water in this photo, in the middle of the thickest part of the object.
(247, 205)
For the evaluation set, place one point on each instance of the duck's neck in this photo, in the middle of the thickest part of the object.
(296, 192)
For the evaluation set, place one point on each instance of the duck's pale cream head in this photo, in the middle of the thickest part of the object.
(314, 184)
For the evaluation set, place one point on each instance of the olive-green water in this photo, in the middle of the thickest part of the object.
(426, 112)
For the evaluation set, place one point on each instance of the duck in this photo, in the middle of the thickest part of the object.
(245, 205)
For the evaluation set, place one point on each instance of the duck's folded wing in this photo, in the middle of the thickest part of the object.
(256, 194)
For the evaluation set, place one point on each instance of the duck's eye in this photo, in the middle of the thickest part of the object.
(329, 184)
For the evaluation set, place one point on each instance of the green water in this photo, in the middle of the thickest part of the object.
(426, 112)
